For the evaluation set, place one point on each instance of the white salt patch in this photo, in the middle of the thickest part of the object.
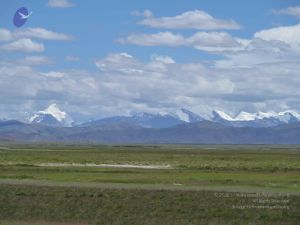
(105, 165)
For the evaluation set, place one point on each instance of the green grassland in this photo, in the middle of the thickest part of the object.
(125, 206)
(190, 191)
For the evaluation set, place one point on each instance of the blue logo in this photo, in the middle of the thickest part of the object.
(21, 16)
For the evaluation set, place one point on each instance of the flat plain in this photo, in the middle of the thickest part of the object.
(149, 184)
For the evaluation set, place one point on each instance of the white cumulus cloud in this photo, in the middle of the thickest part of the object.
(124, 84)
(292, 11)
(196, 19)
(41, 33)
(5, 35)
(163, 59)
(161, 38)
(206, 41)
(23, 45)
(287, 34)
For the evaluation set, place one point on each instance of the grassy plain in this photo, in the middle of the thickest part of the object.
(203, 185)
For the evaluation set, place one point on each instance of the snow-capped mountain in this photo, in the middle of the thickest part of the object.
(149, 120)
(166, 120)
(286, 116)
(51, 116)
(259, 119)
(219, 116)
(146, 120)
(189, 116)
(182, 127)
(289, 116)
(159, 120)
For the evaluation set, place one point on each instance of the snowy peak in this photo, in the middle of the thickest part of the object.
(245, 116)
(181, 116)
(220, 115)
(159, 120)
(142, 119)
(263, 115)
(55, 112)
(145, 115)
(259, 119)
(289, 116)
(189, 116)
(286, 116)
(51, 116)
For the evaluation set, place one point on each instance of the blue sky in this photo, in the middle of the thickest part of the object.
(102, 58)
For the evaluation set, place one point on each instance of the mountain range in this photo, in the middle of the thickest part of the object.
(54, 125)
(53, 116)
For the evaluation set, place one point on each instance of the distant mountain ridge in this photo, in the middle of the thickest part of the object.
(203, 132)
(260, 119)
(145, 120)
(53, 116)
(243, 119)
(285, 116)
(184, 126)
